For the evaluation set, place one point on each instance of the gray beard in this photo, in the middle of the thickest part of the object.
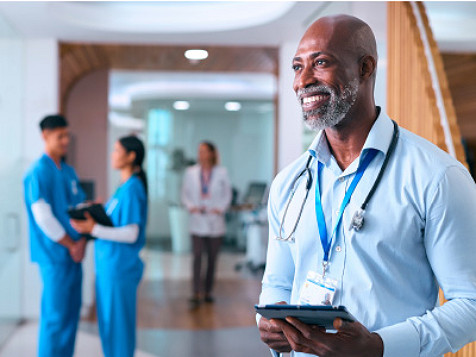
(334, 111)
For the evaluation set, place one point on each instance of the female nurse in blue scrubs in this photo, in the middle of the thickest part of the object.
(118, 265)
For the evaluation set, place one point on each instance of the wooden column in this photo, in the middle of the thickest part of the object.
(411, 96)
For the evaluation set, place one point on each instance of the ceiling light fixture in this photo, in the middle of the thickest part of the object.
(196, 55)
(181, 105)
(232, 106)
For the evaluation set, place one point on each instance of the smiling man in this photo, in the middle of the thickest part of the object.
(372, 217)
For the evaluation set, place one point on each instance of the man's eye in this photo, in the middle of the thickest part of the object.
(296, 67)
(321, 62)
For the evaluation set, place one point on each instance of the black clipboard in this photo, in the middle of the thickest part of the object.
(95, 210)
(309, 314)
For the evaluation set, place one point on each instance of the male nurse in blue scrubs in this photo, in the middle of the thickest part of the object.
(51, 188)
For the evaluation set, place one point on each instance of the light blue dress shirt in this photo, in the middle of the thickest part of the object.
(419, 235)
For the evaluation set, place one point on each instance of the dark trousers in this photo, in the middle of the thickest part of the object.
(211, 246)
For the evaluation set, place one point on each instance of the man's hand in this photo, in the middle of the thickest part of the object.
(351, 340)
(272, 335)
(77, 250)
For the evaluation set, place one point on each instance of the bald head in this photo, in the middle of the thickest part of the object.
(346, 32)
(335, 66)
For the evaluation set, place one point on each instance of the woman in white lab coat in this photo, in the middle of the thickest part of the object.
(206, 193)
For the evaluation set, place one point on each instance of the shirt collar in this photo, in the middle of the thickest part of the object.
(319, 148)
(380, 135)
(379, 138)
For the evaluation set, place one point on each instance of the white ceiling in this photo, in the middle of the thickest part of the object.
(165, 22)
(128, 86)
(268, 23)
(211, 22)
(453, 24)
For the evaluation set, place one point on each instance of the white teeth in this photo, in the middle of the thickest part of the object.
(314, 98)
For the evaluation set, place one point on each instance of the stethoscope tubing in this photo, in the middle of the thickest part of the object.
(391, 149)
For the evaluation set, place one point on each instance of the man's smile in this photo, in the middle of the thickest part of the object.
(314, 101)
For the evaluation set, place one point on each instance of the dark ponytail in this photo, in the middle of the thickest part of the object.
(132, 143)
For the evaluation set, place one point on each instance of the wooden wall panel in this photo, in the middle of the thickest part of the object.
(411, 97)
(460, 69)
(77, 60)
(411, 100)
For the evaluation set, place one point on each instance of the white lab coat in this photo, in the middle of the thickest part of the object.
(207, 224)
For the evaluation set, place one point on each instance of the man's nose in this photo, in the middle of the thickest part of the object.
(306, 78)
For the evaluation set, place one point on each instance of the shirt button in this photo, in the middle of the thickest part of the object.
(341, 179)
(338, 248)
(336, 212)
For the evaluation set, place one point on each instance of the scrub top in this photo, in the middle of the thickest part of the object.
(59, 187)
(127, 206)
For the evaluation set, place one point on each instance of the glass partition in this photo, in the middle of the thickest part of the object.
(11, 171)
(173, 113)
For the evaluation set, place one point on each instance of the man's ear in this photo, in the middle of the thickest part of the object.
(368, 64)
(44, 134)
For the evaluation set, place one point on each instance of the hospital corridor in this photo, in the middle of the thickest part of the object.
(166, 325)
(237, 178)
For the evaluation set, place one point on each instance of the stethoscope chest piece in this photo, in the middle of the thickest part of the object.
(357, 221)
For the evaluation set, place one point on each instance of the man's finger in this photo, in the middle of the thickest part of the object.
(290, 331)
(343, 325)
(268, 325)
(308, 331)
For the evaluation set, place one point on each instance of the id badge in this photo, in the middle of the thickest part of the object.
(318, 290)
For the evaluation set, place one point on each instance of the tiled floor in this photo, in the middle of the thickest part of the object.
(24, 344)
(226, 328)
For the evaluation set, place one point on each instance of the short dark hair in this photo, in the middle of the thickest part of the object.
(53, 121)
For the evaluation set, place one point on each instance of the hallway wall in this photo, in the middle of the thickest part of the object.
(87, 110)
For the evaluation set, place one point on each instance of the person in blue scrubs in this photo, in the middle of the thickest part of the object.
(118, 265)
(51, 187)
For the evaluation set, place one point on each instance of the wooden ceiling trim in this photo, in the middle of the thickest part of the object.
(79, 59)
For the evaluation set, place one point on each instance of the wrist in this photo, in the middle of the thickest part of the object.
(66, 241)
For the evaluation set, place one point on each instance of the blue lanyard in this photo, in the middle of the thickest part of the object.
(326, 243)
(205, 184)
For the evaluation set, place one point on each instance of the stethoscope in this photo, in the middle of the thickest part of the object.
(357, 221)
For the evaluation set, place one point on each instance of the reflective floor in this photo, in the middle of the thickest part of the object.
(166, 324)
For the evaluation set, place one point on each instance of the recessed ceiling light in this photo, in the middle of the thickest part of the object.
(196, 55)
(232, 106)
(181, 105)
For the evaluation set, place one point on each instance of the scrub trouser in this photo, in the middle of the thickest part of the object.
(116, 298)
(60, 308)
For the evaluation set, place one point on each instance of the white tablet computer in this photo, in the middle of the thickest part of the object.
(309, 314)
